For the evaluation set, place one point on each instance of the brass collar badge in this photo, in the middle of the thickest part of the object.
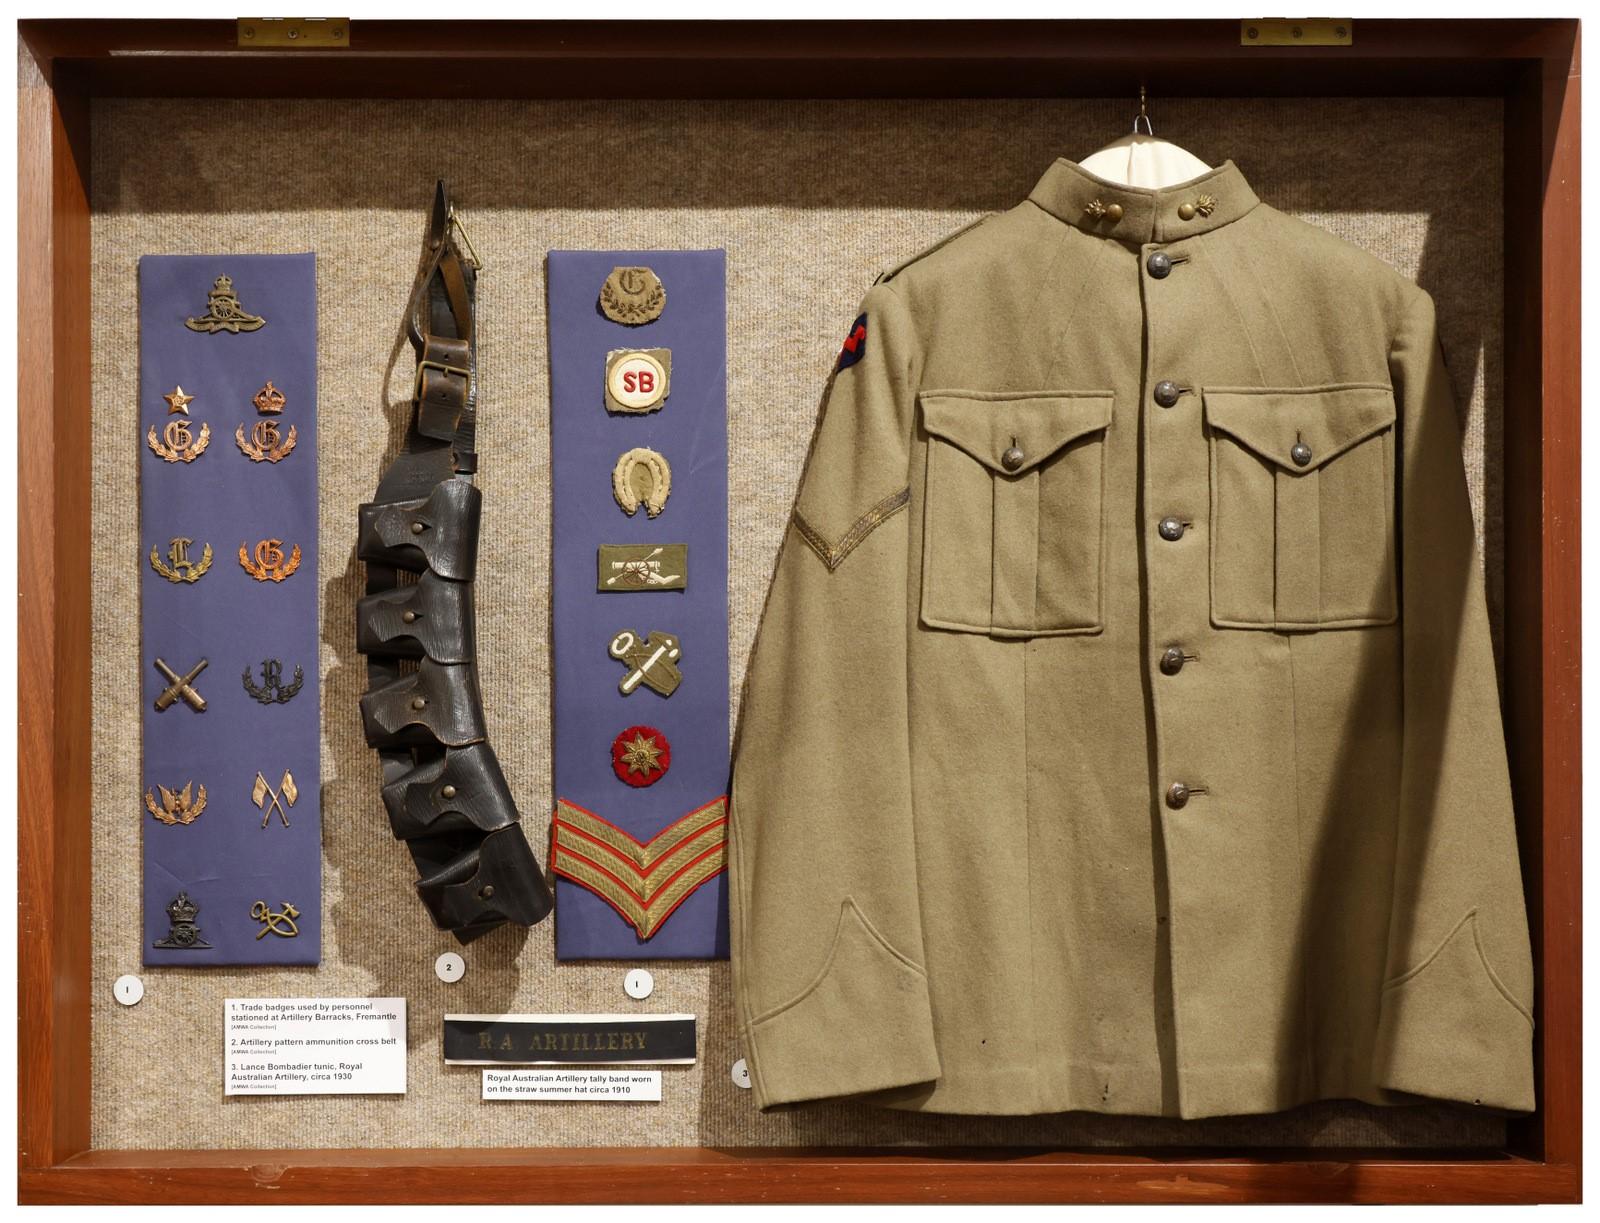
(178, 442)
(281, 923)
(178, 567)
(223, 312)
(268, 800)
(266, 444)
(181, 687)
(181, 807)
(268, 563)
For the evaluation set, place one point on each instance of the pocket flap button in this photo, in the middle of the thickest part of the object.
(1167, 392)
(1300, 453)
(1011, 459)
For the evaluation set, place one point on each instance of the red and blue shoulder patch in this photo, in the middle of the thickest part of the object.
(855, 344)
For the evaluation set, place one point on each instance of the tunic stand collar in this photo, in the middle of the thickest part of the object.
(1143, 214)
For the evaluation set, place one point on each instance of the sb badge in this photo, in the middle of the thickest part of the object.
(637, 379)
(855, 344)
(641, 755)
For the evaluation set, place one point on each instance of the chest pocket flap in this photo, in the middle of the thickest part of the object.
(1013, 533)
(1035, 425)
(1301, 430)
(1302, 506)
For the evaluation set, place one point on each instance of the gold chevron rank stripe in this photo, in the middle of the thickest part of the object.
(644, 881)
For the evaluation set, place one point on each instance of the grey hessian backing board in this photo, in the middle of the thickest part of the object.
(659, 850)
(252, 858)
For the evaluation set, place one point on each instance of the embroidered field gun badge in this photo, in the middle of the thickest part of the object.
(177, 807)
(651, 661)
(644, 881)
(641, 477)
(624, 567)
(178, 567)
(223, 312)
(268, 563)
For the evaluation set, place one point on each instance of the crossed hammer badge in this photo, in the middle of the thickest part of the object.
(651, 662)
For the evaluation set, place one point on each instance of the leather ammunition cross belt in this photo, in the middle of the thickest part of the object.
(446, 796)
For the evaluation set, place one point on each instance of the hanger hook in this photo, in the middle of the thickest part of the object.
(1144, 115)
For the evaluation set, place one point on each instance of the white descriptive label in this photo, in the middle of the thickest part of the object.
(315, 1046)
(638, 1086)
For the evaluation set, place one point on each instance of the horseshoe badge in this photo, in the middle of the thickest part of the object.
(641, 477)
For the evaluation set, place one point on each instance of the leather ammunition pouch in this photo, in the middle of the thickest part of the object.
(442, 786)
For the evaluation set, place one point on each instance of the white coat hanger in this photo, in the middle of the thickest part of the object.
(1140, 160)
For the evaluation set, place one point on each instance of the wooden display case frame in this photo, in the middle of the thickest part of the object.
(1531, 64)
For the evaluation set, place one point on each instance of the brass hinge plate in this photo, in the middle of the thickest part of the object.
(1296, 32)
(298, 33)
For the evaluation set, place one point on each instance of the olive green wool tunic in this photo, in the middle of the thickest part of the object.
(1122, 731)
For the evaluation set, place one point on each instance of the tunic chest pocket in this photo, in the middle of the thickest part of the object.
(1302, 506)
(1014, 511)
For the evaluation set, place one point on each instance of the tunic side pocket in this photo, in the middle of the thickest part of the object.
(1014, 511)
(1302, 506)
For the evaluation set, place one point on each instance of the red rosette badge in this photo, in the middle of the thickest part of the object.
(641, 755)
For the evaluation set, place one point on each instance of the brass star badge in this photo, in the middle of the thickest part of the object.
(178, 401)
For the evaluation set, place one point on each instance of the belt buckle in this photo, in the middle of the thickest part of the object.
(416, 386)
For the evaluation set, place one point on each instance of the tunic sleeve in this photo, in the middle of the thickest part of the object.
(1456, 1016)
(827, 955)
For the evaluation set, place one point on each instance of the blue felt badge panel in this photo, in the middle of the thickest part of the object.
(691, 432)
(228, 864)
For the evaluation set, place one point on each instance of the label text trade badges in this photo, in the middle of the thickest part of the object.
(637, 379)
(632, 296)
(641, 477)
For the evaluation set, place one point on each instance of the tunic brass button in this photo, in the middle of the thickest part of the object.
(1171, 529)
(1113, 213)
(1011, 459)
(1159, 264)
(1167, 392)
(1300, 453)
(1177, 795)
(1171, 660)
(1186, 212)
